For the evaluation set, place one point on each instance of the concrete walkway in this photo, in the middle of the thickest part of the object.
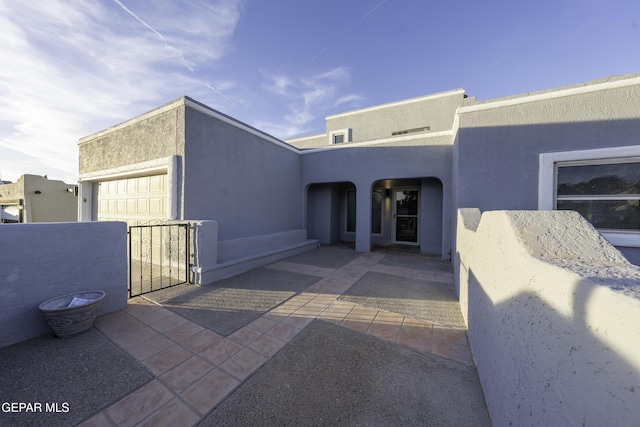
(202, 377)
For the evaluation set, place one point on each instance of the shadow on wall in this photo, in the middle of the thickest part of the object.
(497, 166)
(540, 367)
(550, 321)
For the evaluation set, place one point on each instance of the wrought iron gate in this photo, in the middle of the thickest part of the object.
(159, 256)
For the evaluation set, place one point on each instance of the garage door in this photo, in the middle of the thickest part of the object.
(134, 200)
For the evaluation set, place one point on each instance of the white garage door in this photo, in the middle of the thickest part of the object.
(134, 200)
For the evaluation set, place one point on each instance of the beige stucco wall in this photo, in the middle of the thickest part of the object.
(153, 135)
(55, 201)
(551, 309)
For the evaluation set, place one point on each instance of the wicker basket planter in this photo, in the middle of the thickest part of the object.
(70, 314)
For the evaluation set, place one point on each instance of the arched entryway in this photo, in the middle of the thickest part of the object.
(401, 212)
(409, 212)
(331, 212)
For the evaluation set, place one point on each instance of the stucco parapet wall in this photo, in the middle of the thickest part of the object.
(607, 83)
(563, 239)
(551, 308)
(185, 101)
(434, 138)
(453, 92)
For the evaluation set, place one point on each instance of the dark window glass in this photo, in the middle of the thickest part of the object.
(607, 195)
(376, 211)
(338, 138)
(618, 178)
(607, 214)
(351, 211)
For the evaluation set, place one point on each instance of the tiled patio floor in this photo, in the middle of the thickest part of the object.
(196, 368)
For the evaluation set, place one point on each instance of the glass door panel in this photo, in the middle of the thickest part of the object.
(406, 208)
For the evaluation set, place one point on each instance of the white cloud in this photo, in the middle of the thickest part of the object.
(75, 67)
(307, 98)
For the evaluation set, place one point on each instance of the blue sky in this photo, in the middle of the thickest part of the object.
(71, 68)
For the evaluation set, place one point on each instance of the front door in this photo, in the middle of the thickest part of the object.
(405, 215)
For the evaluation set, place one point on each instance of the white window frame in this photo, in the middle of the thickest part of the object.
(344, 132)
(547, 181)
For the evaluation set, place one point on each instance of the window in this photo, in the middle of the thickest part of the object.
(340, 136)
(376, 211)
(605, 192)
(406, 131)
(351, 211)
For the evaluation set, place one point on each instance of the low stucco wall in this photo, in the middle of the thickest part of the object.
(552, 313)
(216, 260)
(42, 261)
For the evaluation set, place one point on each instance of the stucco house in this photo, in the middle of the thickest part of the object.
(395, 173)
(35, 198)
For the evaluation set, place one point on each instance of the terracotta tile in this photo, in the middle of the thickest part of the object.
(220, 351)
(118, 326)
(283, 332)
(140, 309)
(169, 323)
(184, 331)
(356, 324)
(139, 404)
(267, 345)
(185, 374)
(452, 344)
(333, 317)
(150, 347)
(281, 311)
(166, 359)
(304, 297)
(299, 322)
(418, 340)
(362, 313)
(276, 316)
(111, 318)
(324, 299)
(244, 336)
(243, 363)
(333, 314)
(416, 325)
(294, 303)
(308, 311)
(384, 331)
(138, 336)
(206, 393)
(262, 324)
(156, 316)
(174, 413)
(389, 318)
(98, 420)
(200, 340)
(342, 306)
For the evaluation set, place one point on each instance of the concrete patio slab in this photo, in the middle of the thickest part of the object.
(422, 299)
(326, 257)
(70, 379)
(230, 304)
(330, 375)
(365, 364)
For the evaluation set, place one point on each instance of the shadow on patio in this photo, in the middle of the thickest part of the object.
(298, 354)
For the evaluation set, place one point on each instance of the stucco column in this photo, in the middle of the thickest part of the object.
(84, 201)
(363, 217)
